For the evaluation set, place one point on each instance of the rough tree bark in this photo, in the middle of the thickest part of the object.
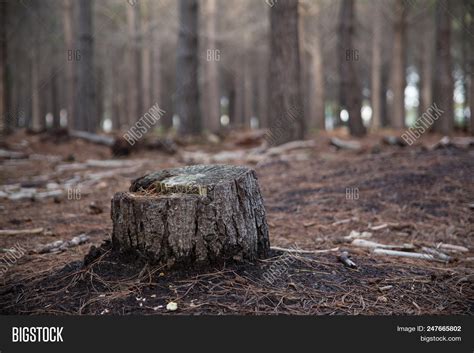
(187, 65)
(317, 86)
(211, 108)
(443, 79)
(134, 94)
(194, 215)
(425, 62)
(55, 109)
(471, 68)
(262, 88)
(350, 92)
(248, 83)
(398, 79)
(68, 25)
(146, 58)
(85, 114)
(237, 103)
(156, 60)
(36, 118)
(376, 78)
(285, 99)
(4, 114)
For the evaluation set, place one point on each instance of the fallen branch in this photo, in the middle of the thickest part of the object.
(290, 146)
(300, 251)
(94, 138)
(379, 227)
(343, 221)
(21, 231)
(348, 145)
(436, 253)
(413, 255)
(62, 245)
(450, 247)
(373, 245)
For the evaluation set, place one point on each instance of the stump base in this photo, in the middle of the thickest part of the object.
(194, 215)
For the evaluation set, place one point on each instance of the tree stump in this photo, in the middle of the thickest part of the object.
(195, 215)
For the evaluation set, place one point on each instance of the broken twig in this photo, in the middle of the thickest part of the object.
(21, 231)
(344, 258)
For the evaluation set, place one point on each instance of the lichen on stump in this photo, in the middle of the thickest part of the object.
(195, 215)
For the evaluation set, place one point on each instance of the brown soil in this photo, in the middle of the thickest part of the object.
(425, 197)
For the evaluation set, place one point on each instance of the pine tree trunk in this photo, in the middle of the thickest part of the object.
(237, 118)
(134, 94)
(248, 87)
(398, 80)
(156, 81)
(471, 68)
(146, 59)
(192, 216)
(285, 98)
(211, 107)
(443, 79)
(350, 91)
(317, 86)
(37, 120)
(262, 87)
(426, 66)
(4, 113)
(86, 114)
(187, 66)
(376, 78)
(69, 86)
(55, 110)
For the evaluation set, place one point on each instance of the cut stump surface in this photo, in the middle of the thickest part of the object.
(194, 215)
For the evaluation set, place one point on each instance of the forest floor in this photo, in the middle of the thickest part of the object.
(314, 198)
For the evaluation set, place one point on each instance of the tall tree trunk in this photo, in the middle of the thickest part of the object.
(384, 111)
(376, 78)
(443, 79)
(146, 59)
(237, 111)
(156, 64)
(211, 69)
(187, 86)
(55, 110)
(100, 86)
(464, 61)
(248, 86)
(156, 70)
(317, 86)
(262, 87)
(68, 28)
(4, 114)
(350, 91)
(115, 98)
(36, 118)
(426, 68)
(135, 94)
(305, 64)
(471, 68)
(285, 101)
(85, 114)
(398, 79)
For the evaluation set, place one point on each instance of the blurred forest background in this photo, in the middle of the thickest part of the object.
(290, 66)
